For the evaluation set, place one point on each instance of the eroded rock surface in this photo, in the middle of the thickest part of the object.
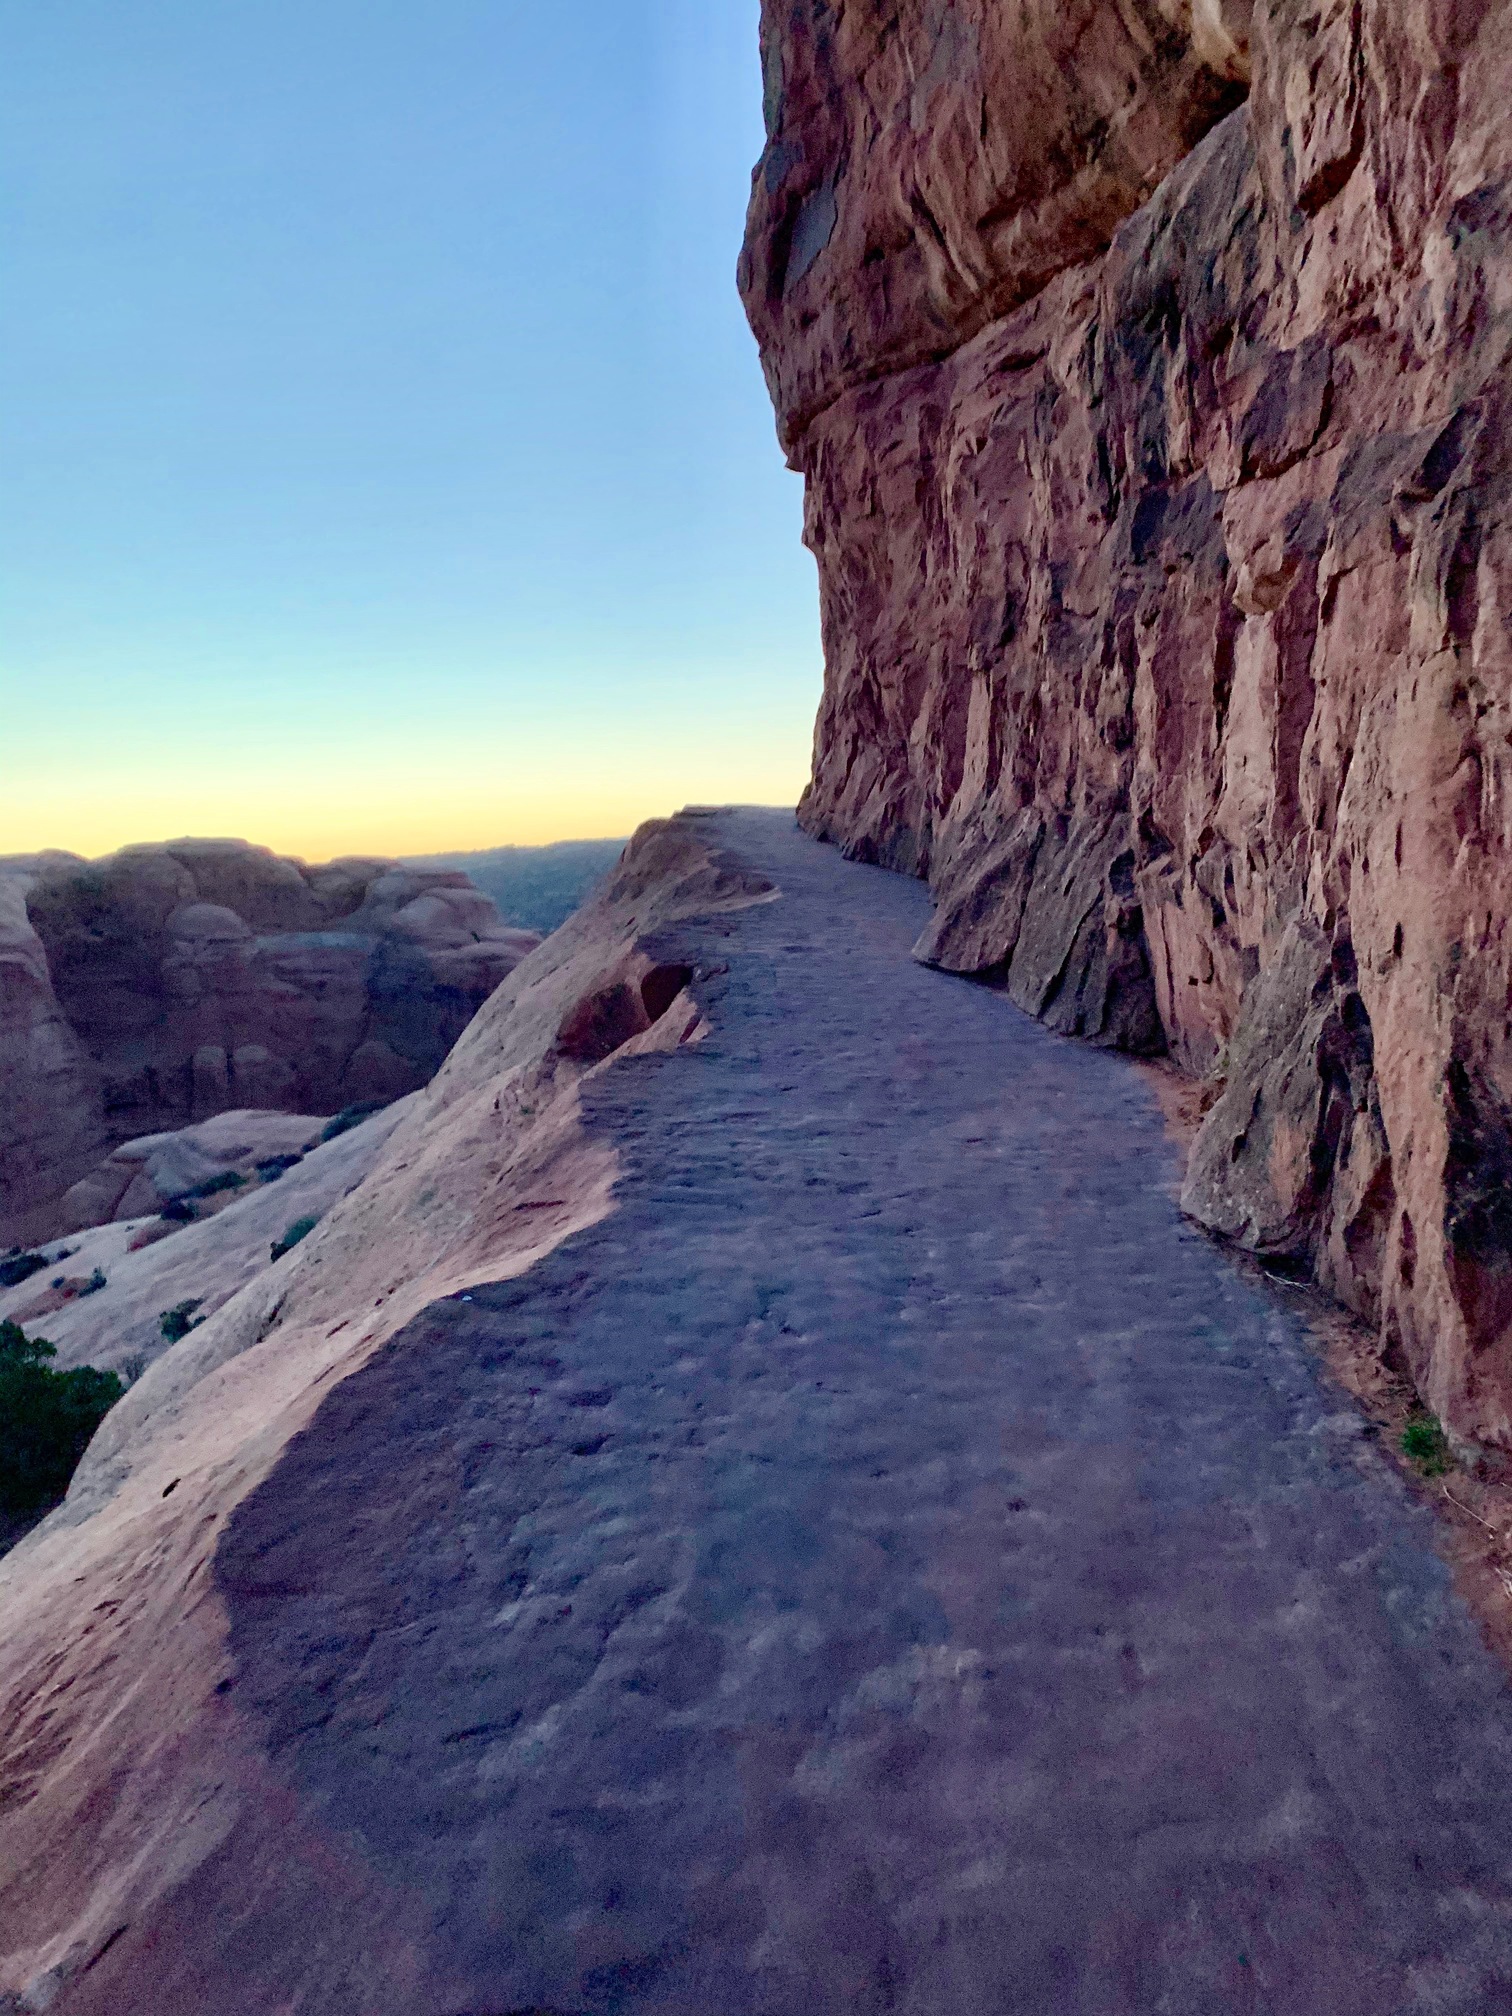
(1164, 558)
(165, 984)
(150, 1266)
(785, 1519)
(203, 1165)
(112, 1616)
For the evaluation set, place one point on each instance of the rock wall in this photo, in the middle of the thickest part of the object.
(1156, 453)
(50, 1116)
(165, 984)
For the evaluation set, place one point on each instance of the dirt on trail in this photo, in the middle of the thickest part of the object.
(890, 1563)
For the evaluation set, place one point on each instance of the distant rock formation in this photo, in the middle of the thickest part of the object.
(164, 984)
(1146, 366)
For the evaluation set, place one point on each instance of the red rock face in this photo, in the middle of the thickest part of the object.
(1166, 578)
(165, 984)
(930, 166)
(49, 1089)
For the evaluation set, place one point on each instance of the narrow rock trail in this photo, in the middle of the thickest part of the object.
(892, 1564)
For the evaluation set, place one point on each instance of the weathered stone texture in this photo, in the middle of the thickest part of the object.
(1166, 575)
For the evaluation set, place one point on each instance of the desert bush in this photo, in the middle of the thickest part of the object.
(350, 1117)
(46, 1420)
(178, 1211)
(19, 1267)
(300, 1229)
(1426, 1446)
(178, 1321)
(212, 1185)
(95, 1282)
(273, 1166)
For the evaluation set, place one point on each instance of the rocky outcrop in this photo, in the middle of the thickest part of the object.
(162, 985)
(928, 168)
(1156, 455)
(148, 1846)
(150, 1266)
(200, 1169)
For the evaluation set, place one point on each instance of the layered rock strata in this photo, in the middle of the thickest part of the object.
(1157, 470)
(165, 984)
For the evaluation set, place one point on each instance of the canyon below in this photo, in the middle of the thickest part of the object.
(912, 1410)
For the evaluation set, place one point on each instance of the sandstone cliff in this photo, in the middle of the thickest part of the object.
(165, 984)
(1146, 368)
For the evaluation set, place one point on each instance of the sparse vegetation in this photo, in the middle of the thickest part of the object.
(1426, 1446)
(178, 1321)
(180, 1210)
(350, 1117)
(273, 1166)
(46, 1420)
(300, 1229)
(18, 1267)
(95, 1282)
(133, 1367)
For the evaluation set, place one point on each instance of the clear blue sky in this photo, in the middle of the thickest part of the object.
(386, 460)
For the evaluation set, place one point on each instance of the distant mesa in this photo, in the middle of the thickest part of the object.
(153, 989)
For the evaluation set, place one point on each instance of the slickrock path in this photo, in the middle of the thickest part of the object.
(893, 1564)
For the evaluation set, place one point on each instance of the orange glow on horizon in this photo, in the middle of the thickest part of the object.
(363, 816)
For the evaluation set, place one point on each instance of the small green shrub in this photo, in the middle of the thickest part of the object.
(350, 1117)
(213, 1185)
(46, 1420)
(300, 1229)
(178, 1211)
(19, 1267)
(178, 1321)
(273, 1166)
(1426, 1446)
(95, 1282)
